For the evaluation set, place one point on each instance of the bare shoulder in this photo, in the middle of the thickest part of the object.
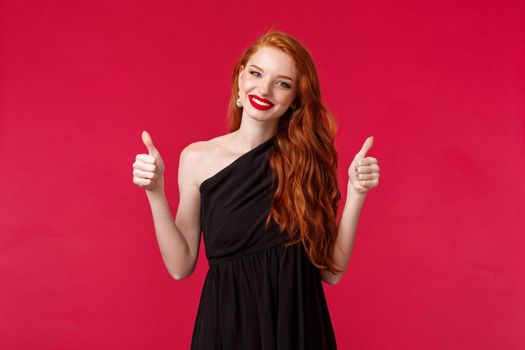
(200, 158)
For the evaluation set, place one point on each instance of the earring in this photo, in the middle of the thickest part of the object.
(238, 102)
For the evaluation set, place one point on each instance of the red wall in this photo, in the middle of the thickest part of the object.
(439, 256)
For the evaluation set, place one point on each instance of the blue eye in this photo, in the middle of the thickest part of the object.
(254, 73)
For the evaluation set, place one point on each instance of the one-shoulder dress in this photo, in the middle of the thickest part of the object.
(258, 294)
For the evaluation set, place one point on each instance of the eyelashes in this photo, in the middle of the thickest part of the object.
(285, 85)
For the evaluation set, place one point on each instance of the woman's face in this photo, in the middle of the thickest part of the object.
(267, 85)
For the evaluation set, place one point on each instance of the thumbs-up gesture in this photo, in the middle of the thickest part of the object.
(363, 171)
(148, 169)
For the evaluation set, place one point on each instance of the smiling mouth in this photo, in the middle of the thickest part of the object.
(260, 103)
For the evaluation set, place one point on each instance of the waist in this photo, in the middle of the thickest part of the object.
(229, 258)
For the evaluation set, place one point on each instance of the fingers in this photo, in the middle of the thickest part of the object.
(143, 174)
(148, 142)
(368, 183)
(369, 176)
(142, 182)
(364, 162)
(144, 166)
(146, 158)
(148, 168)
(368, 169)
(145, 162)
(366, 145)
(368, 161)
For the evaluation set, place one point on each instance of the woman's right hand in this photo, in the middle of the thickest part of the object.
(148, 169)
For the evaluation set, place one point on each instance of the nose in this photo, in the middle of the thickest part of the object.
(264, 87)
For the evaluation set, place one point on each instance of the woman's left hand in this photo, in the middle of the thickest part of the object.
(363, 171)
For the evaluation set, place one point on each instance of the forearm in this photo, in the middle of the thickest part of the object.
(346, 231)
(173, 246)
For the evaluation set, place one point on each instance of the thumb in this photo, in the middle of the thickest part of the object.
(366, 147)
(148, 142)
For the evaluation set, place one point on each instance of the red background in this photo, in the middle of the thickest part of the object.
(439, 256)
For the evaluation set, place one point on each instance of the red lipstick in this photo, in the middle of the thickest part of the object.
(256, 102)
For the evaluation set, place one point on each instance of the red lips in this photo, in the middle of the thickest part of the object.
(258, 106)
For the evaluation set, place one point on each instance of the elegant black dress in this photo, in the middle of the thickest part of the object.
(258, 294)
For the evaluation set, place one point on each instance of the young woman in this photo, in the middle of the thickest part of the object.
(265, 197)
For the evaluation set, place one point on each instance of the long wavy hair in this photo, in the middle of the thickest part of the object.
(303, 159)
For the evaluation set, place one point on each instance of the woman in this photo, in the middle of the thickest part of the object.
(265, 196)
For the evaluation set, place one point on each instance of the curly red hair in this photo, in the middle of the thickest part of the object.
(304, 158)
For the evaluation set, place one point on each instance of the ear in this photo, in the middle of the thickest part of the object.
(241, 69)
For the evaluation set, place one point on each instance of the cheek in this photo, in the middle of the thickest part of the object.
(287, 98)
(245, 85)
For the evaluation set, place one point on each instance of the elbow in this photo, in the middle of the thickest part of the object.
(331, 278)
(333, 282)
(335, 279)
(177, 277)
(180, 275)
(179, 272)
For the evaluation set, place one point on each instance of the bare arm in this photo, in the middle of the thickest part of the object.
(363, 175)
(179, 239)
(346, 230)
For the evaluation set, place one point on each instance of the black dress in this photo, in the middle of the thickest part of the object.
(257, 294)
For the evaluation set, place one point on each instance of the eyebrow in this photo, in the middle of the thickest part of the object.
(283, 76)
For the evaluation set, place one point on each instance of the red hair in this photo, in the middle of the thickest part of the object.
(303, 160)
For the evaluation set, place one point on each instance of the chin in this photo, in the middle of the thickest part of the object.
(262, 116)
(272, 112)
